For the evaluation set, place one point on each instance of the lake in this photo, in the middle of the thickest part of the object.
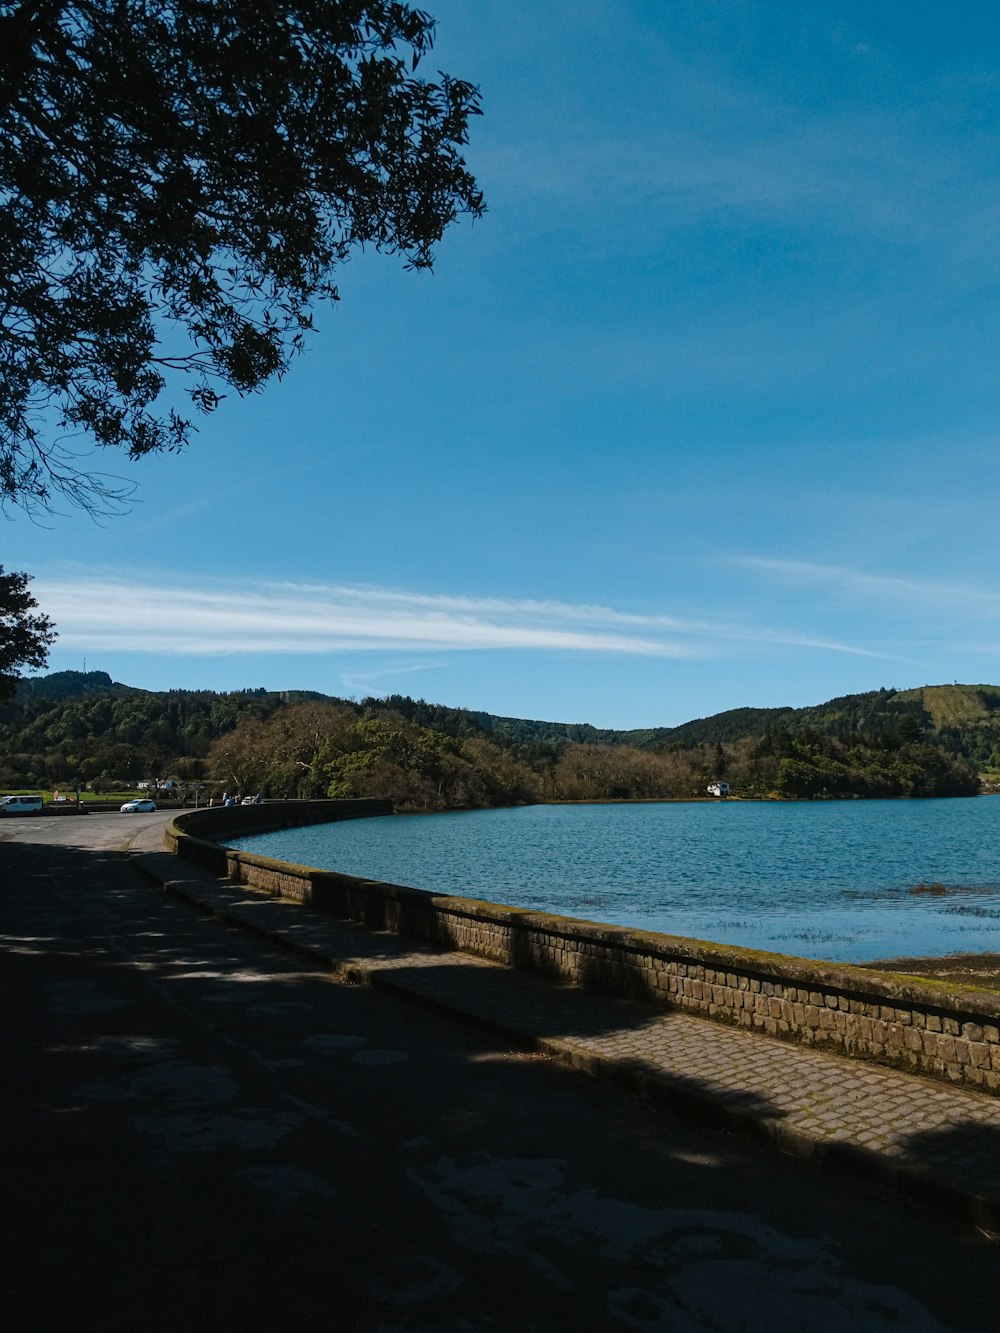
(847, 881)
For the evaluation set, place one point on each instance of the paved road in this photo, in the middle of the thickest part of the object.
(200, 1132)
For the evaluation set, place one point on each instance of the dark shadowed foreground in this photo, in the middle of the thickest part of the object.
(198, 1131)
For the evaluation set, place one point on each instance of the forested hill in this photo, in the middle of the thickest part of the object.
(962, 719)
(60, 685)
(75, 725)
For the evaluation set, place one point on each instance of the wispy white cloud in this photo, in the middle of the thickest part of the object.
(367, 680)
(310, 619)
(147, 617)
(937, 595)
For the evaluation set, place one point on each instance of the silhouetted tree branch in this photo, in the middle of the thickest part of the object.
(179, 180)
(24, 636)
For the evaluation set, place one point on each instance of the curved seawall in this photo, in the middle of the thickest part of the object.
(939, 1031)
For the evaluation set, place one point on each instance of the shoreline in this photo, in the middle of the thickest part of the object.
(968, 969)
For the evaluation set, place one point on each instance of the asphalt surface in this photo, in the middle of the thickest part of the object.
(201, 1130)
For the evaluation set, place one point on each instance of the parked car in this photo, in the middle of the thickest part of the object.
(138, 808)
(21, 805)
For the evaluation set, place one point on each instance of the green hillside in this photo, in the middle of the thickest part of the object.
(964, 720)
(72, 726)
(956, 705)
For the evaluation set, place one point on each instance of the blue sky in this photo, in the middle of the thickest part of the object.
(704, 413)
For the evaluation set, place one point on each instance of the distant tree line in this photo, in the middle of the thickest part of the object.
(70, 726)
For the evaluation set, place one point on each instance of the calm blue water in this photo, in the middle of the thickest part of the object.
(829, 880)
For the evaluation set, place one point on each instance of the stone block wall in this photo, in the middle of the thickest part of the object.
(199, 835)
(943, 1032)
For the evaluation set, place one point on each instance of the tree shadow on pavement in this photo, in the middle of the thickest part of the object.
(204, 1132)
(592, 1031)
(958, 1166)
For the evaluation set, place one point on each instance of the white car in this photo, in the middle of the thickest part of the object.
(139, 808)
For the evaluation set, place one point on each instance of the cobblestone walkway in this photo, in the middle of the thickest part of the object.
(942, 1142)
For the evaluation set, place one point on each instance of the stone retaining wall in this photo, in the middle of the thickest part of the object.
(198, 835)
(944, 1032)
